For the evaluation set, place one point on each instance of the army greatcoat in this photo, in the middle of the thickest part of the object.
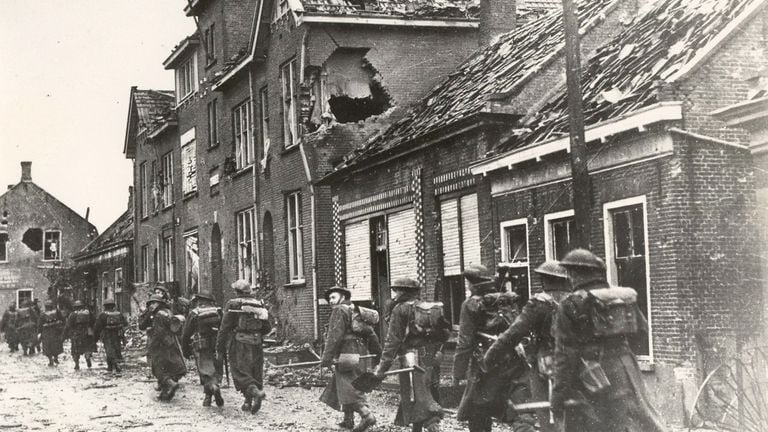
(202, 344)
(26, 326)
(164, 347)
(8, 326)
(111, 334)
(81, 334)
(51, 328)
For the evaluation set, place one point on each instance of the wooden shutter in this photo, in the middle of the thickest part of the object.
(470, 230)
(449, 226)
(358, 258)
(402, 245)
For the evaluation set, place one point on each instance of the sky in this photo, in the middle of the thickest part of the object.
(66, 70)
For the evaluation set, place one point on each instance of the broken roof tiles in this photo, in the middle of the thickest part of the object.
(498, 68)
(153, 107)
(412, 8)
(119, 232)
(627, 73)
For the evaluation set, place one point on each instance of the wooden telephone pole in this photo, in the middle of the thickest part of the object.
(582, 190)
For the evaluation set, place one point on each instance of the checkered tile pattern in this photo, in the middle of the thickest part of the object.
(338, 259)
(418, 211)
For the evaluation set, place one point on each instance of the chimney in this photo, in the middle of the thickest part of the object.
(496, 17)
(26, 171)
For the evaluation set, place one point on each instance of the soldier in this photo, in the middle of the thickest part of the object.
(245, 322)
(110, 329)
(38, 312)
(167, 362)
(593, 362)
(199, 339)
(8, 326)
(26, 327)
(79, 329)
(178, 305)
(344, 341)
(407, 339)
(485, 314)
(535, 321)
(51, 328)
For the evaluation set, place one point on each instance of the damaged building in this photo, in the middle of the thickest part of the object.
(39, 236)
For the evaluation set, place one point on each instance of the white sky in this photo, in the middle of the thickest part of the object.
(66, 68)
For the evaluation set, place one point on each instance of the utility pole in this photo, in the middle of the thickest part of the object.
(582, 190)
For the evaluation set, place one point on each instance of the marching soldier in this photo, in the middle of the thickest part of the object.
(343, 341)
(485, 314)
(110, 329)
(37, 313)
(245, 322)
(199, 339)
(535, 321)
(167, 362)
(423, 343)
(26, 327)
(8, 326)
(593, 362)
(51, 327)
(79, 329)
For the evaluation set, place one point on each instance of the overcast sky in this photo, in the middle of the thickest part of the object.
(66, 69)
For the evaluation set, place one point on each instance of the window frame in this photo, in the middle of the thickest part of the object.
(295, 236)
(105, 286)
(213, 123)
(241, 134)
(186, 75)
(31, 295)
(187, 267)
(169, 258)
(143, 192)
(118, 287)
(166, 161)
(59, 246)
(503, 226)
(246, 219)
(264, 120)
(4, 247)
(144, 263)
(290, 116)
(610, 264)
(210, 44)
(188, 139)
(549, 237)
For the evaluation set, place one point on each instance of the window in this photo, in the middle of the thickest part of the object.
(166, 179)
(213, 124)
(3, 247)
(52, 246)
(558, 229)
(154, 187)
(282, 7)
(246, 246)
(107, 289)
(210, 45)
(144, 269)
(514, 256)
(188, 162)
(241, 121)
(192, 262)
(213, 180)
(626, 250)
(143, 190)
(118, 280)
(23, 296)
(290, 120)
(186, 79)
(168, 259)
(295, 237)
(264, 111)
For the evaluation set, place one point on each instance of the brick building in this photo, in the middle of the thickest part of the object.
(108, 261)
(39, 236)
(672, 187)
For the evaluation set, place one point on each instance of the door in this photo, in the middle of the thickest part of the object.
(216, 265)
(268, 243)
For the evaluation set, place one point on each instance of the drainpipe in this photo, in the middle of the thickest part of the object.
(311, 207)
(254, 168)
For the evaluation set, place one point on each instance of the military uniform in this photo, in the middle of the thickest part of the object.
(418, 405)
(38, 312)
(587, 345)
(8, 326)
(110, 329)
(489, 312)
(51, 328)
(199, 339)
(244, 323)
(26, 328)
(167, 362)
(79, 329)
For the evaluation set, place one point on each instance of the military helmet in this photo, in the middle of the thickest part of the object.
(405, 283)
(77, 304)
(242, 285)
(582, 258)
(154, 298)
(552, 268)
(205, 295)
(477, 273)
(339, 289)
(49, 304)
(109, 301)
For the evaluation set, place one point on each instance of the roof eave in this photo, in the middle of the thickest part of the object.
(180, 51)
(743, 112)
(166, 126)
(387, 20)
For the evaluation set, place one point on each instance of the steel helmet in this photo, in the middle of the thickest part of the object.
(77, 304)
(339, 289)
(205, 295)
(405, 283)
(154, 298)
(552, 268)
(242, 286)
(477, 273)
(582, 258)
(109, 301)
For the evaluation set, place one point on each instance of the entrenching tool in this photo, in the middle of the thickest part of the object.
(350, 361)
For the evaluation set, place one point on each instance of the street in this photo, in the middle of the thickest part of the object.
(34, 396)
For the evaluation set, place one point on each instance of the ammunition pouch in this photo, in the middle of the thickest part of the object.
(593, 377)
(248, 338)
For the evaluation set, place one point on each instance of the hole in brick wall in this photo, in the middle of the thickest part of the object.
(347, 109)
(33, 239)
(354, 86)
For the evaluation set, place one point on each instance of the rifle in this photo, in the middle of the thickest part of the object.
(226, 368)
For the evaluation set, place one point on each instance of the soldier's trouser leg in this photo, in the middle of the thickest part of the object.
(480, 423)
(76, 358)
(88, 359)
(349, 417)
(366, 417)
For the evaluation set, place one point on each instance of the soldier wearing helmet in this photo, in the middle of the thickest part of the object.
(597, 382)
(50, 325)
(199, 340)
(8, 326)
(79, 329)
(167, 362)
(409, 337)
(110, 329)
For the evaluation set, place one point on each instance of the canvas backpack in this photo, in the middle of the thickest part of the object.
(428, 322)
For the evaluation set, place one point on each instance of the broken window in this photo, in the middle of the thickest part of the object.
(241, 121)
(289, 95)
(188, 162)
(33, 239)
(192, 258)
(3, 247)
(167, 179)
(52, 250)
(353, 86)
(558, 234)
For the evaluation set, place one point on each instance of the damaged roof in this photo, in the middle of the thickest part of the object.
(121, 231)
(153, 107)
(412, 8)
(501, 67)
(627, 73)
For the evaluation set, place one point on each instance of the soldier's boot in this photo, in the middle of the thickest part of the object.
(207, 400)
(88, 360)
(366, 419)
(171, 387)
(50, 361)
(480, 423)
(217, 395)
(432, 425)
(117, 366)
(257, 395)
(525, 423)
(246, 403)
(109, 365)
(56, 360)
(77, 362)
(349, 418)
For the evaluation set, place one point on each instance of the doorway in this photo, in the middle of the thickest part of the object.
(216, 264)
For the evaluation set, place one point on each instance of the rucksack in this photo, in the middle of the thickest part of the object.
(498, 311)
(82, 316)
(252, 314)
(428, 322)
(613, 311)
(364, 320)
(113, 319)
(208, 320)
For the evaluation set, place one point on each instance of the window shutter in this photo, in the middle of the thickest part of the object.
(358, 259)
(470, 230)
(402, 245)
(449, 225)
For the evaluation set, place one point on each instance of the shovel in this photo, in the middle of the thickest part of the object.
(317, 362)
(368, 381)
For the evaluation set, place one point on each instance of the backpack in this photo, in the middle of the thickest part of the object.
(428, 322)
(252, 314)
(51, 318)
(208, 321)
(82, 316)
(498, 311)
(613, 311)
(364, 320)
(113, 319)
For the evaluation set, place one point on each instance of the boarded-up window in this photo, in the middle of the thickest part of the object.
(470, 230)
(402, 245)
(461, 234)
(192, 261)
(188, 162)
(357, 249)
(449, 225)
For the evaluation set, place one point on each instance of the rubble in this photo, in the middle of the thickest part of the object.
(135, 339)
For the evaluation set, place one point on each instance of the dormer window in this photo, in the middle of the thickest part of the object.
(186, 79)
(280, 9)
